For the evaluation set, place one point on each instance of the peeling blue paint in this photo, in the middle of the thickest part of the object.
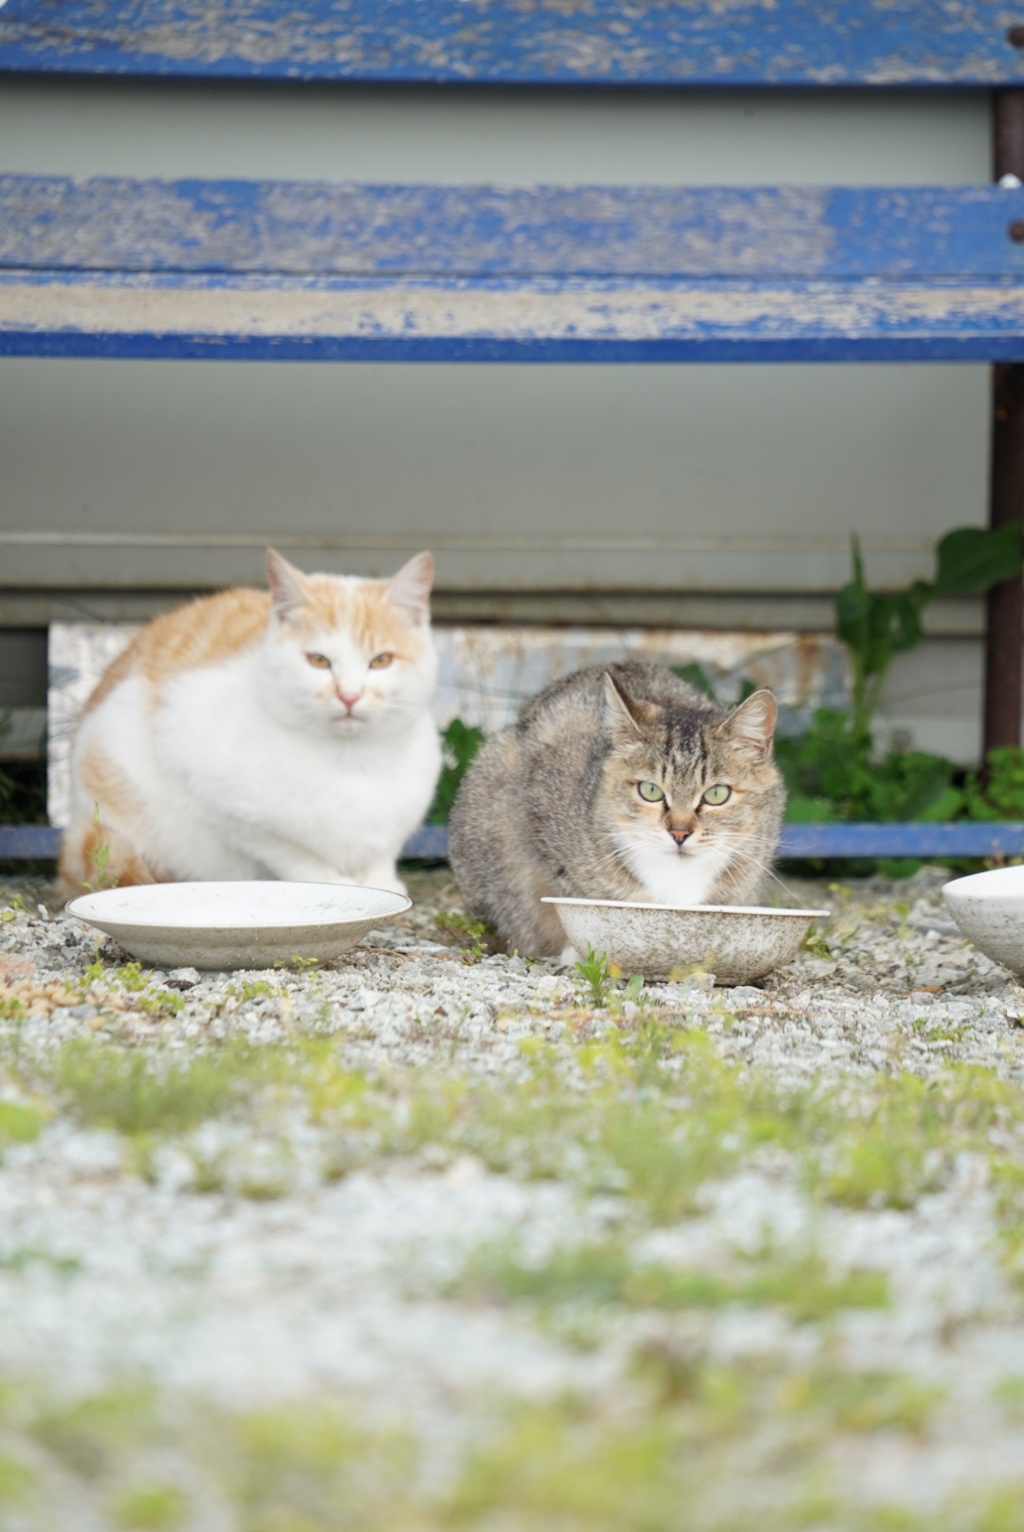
(680, 42)
(573, 320)
(312, 271)
(54, 223)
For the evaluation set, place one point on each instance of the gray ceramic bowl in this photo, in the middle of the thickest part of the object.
(237, 925)
(989, 909)
(735, 943)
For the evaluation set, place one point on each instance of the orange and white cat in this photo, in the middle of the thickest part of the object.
(255, 734)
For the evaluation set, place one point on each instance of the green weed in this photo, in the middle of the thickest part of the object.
(150, 1508)
(161, 1002)
(816, 945)
(27, 1258)
(474, 937)
(131, 977)
(1009, 1393)
(86, 1436)
(19, 1124)
(935, 1031)
(98, 857)
(692, 1445)
(314, 1470)
(16, 1480)
(297, 963)
(107, 1087)
(862, 1402)
(595, 979)
(605, 1273)
(256, 989)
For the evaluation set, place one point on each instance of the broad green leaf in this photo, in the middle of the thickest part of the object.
(904, 616)
(696, 675)
(944, 808)
(970, 559)
(852, 607)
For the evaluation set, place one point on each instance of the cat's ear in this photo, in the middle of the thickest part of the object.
(750, 727)
(409, 589)
(625, 715)
(288, 588)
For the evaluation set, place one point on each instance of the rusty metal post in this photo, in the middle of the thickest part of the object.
(1004, 614)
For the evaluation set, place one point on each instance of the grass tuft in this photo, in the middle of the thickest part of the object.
(606, 1273)
(105, 1087)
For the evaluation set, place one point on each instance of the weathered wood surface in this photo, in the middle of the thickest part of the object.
(316, 271)
(22, 842)
(570, 320)
(690, 42)
(59, 224)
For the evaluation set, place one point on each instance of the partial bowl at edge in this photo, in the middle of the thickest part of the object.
(989, 909)
(237, 925)
(736, 943)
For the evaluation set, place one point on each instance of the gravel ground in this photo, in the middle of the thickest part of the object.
(590, 1261)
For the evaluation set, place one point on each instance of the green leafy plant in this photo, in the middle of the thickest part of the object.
(596, 979)
(876, 627)
(999, 794)
(461, 742)
(832, 770)
(831, 774)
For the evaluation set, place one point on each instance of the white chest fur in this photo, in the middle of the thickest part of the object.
(673, 878)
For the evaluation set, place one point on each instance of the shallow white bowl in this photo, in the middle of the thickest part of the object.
(734, 942)
(237, 925)
(989, 909)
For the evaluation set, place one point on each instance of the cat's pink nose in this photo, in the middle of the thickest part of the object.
(349, 699)
(680, 835)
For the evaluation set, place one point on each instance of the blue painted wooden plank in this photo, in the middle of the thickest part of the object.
(23, 843)
(29, 842)
(232, 269)
(55, 223)
(902, 840)
(744, 42)
(872, 840)
(855, 841)
(427, 844)
(217, 317)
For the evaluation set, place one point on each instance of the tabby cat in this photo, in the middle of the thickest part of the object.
(617, 782)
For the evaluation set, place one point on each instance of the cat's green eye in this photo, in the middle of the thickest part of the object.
(381, 661)
(650, 792)
(319, 661)
(717, 795)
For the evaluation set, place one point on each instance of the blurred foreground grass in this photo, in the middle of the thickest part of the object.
(630, 1107)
